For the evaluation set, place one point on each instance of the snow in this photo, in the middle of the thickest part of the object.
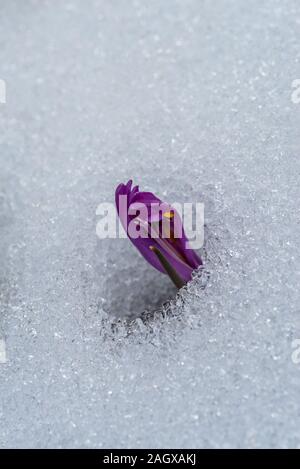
(191, 99)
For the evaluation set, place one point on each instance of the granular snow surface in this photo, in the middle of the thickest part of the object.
(193, 101)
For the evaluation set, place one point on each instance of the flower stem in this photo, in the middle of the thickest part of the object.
(176, 279)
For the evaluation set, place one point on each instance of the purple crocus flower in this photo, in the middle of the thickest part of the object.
(155, 229)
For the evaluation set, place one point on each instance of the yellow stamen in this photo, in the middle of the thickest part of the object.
(169, 214)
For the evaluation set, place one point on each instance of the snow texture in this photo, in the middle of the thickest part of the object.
(191, 99)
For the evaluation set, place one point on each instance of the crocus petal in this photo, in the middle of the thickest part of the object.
(144, 246)
(163, 253)
(134, 190)
(182, 245)
(167, 250)
(128, 185)
(173, 274)
(121, 190)
(156, 208)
